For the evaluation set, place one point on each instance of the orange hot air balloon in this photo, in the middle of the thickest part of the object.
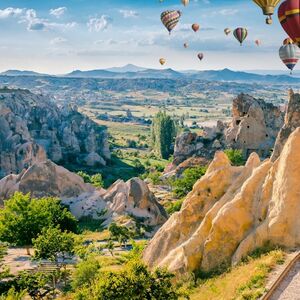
(288, 14)
(268, 7)
(162, 61)
(258, 42)
(185, 2)
(195, 27)
(288, 41)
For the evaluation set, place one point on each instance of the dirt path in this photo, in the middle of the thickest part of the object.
(289, 288)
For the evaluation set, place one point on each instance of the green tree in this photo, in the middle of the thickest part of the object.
(135, 282)
(85, 272)
(120, 233)
(182, 186)
(52, 243)
(23, 218)
(235, 156)
(163, 133)
(110, 246)
(96, 179)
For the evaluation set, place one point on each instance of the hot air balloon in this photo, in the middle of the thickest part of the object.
(288, 14)
(257, 42)
(240, 34)
(185, 45)
(185, 2)
(170, 19)
(162, 61)
(227, 31)
(200, 56)
(288, 41)
(268, 7)
(195, 27)
(289, 54)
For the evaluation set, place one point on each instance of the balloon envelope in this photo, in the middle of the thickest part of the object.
(185, 2)
(258, 42)
(289, 54)
(240, 34)
(162, 61)
(227, 31)
(200, 56)
(170, 19)
(185, 45)
(268, 7)
(288, 41)
(288, 14)
(195, 27)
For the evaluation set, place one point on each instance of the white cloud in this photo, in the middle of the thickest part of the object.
(10, 12)
(99, 23)
(58, 40)
(129, 13)
(58, 12)
(228, 11)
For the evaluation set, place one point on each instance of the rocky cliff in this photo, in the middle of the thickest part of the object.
(32, 128)
(132, 198)
(253, 128)
(232, 211)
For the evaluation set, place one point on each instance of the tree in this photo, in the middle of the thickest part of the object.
(110, 246)
(163, 132)
(52, 243)
(85, 272)
(120, 233)
(23, 218)
(135, 282)
(235, 156)
(182, 186)
(96, 180)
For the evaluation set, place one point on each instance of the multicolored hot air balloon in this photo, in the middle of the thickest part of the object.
(257, 42)
(162, 61)
(185, 45)
(227, 31)
(240, 34)
(170, 19)
(185, 2)
(268, 7)
(289, 54)
(200, 56)
(195, 27)
(288, 14)
(288, 41)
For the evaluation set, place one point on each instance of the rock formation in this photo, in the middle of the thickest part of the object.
(33, 128)
(231, 212)
(131, 198)
(291, 122)
(254, 127)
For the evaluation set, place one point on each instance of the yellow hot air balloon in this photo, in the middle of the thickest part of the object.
(268, 7)
(162, 61)
(185, 2)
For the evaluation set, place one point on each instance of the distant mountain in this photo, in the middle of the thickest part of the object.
(125, 69)
(22, 73)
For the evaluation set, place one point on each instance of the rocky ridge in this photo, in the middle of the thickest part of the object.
(234, 210)
(32, 128)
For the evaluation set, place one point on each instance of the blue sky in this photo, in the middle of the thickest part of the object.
(58, 36)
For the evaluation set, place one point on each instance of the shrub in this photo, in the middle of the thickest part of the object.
(235, 156)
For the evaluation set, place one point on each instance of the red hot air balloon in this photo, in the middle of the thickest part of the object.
(195, 27)
(200, 56)
(288, 14)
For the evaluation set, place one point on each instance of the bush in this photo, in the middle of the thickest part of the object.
(174, 206)
(96, 180)
(235, 156)
(182, 186)
(154, 177)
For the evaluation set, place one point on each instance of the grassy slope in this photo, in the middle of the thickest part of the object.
(246, 281)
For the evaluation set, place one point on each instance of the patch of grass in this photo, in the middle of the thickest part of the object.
(243, 282)
(90, 224)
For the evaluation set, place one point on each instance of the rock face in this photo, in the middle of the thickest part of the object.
(131, 198)
(231, 212)
(291, 122)
(254, 127)
(33, 128)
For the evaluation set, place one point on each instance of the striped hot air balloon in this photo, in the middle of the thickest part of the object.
(289, 54)
(240, 34)
(288, 41)
(268, 7)
(170, 19)
(288, 14)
